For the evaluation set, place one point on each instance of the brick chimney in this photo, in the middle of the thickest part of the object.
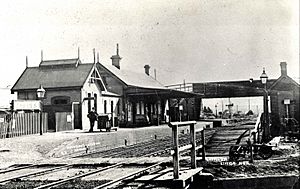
(283, 68)
(116, 59)
(147, 68)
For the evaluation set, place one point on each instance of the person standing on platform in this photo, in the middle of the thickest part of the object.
(93, 116)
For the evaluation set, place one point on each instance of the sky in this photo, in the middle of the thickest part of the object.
(191, 40)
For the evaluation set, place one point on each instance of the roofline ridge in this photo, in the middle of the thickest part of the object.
(61, 59)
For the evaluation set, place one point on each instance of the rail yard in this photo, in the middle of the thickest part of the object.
(127, 166)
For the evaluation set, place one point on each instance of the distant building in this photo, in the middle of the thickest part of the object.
(285, 99)
(283, 93)
(6, 97)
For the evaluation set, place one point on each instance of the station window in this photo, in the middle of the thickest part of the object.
(105, 106)
(60, 100)
(142, 108)
(138, 111)
(89, 102)
(95, 102)
(118, 107)
(112, 106)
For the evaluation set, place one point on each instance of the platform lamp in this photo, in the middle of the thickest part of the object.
(41, 96)
(266, 128)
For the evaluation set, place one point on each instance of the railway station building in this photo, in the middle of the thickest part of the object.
(144, 100)
(73, 88)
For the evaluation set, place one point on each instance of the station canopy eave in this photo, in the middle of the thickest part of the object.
(165, 93)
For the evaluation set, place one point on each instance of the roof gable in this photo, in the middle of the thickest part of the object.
(94, 76)
(131, 78)
(284, 82)
(55, 77)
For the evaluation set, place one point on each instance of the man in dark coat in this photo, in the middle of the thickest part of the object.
(93, 116)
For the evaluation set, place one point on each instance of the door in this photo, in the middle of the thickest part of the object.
(77, 116)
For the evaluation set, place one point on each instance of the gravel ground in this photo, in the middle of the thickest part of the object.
(285, 161)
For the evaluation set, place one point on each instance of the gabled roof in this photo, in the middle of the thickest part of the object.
(58, 77)
(131, 78)
(281, 78)
(62, 62)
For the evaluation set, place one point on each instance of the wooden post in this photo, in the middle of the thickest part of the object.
(251, 152)
(250, 146)
(169, 116)
(27, 118)
(203, 144)
(157, 115)
(176, 152)
(193, 142)
(36, 119)
(41, 123)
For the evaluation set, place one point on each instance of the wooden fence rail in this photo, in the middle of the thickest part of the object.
(23, 124)
(191, 146)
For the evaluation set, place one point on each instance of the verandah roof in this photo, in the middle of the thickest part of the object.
(134, 91)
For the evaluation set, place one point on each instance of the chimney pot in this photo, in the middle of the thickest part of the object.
(116, 59)
(283, 68)
(147, 68)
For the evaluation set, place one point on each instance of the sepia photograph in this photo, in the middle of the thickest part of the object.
(149, 94)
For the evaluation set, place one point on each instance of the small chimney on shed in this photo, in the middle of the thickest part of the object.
(116, 58)
(283, 68)
(147, 68)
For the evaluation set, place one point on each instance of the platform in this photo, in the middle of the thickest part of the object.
(165, 178)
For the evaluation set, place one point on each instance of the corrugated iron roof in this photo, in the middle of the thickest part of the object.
(33, 77)
(132, 78)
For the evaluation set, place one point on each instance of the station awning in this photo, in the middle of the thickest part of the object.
(166, 93)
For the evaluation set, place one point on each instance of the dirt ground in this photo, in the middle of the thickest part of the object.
(285, 161)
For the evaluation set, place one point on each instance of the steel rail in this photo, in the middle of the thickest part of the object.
(117, 148)
(128, 176)
(105, 185)
(129, 148)
(35, 173)
(142, 146)
(16, 169)
(209, 134)
(60, 182)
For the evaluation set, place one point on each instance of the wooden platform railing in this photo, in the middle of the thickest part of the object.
(256, 132)
(23, 124)
(192, 146)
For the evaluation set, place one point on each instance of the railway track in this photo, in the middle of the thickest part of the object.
(93, 175)
(158, 147)
(223, 138)
(75, 176)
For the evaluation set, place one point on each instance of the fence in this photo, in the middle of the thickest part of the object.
(192, 146)
(23, 124)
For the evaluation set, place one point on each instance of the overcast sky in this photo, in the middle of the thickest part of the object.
(200, 40)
